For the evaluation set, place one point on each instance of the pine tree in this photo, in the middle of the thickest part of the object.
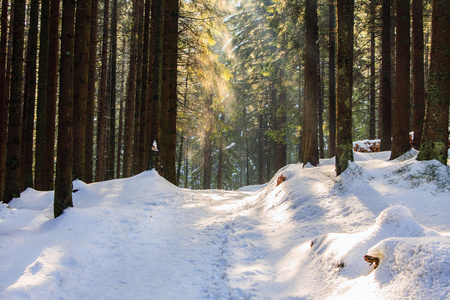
(434, 144)
(344, 143)
(64, 160)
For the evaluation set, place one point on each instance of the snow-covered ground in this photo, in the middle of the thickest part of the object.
(143, 238)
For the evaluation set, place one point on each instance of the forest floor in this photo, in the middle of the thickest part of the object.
(143, 238)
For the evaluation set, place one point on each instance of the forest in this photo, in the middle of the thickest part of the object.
(214, 94)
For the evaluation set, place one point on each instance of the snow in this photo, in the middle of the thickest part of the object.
(143, 238)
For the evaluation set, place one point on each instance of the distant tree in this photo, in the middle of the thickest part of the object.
(112, 95)
(207, 148)
(385, 101)
(310, 152)
(418, 70)
(344, 143)
(402, 106)
(434, 144)
(64, 158)
(13, 182)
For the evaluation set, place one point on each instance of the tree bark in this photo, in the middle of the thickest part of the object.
(90, 105)
(372, 88)
(332, 79)
(100, 165)
(52, 95)
(131, 94)
(402, 104)
(3, 94)
(63, 180)
(158, 21)
(40, 182)
(82, 36)
(386, 128)
(30, 95)
(12, 182)
(310, 153)
(112, 96)
(344, 143)
(207, 159)
(435, 135)
(418, 71)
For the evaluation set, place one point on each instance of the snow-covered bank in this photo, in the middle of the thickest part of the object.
(143, 238)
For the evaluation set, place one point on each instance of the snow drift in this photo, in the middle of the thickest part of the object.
(143, 238)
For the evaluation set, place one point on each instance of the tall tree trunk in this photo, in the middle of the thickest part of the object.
(385, 101)
(80, 89)
(52, 95)
(418, 71)
(158, 21)
(402, 104)
(40, 176)
(261, 152)
(207, 159)
(372, 88)
(344, 143)
(435, 135)
(30, 97)
(112, 96)
(3, 94)
(12, 182)
(172, 15)
(281, 124)
(64, 157)
(310, 153)
(332, 79)
(90, 105)
(221, 154)
(320, 108)
(131, 93)
(100, 165)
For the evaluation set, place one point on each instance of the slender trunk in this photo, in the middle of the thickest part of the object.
(320, 107)
(435, 135)
(261, 154)
(207, 159)
(344, 145)
(30, 97)
(3, 94)
(310, 153)
(82, 36)
(90, 105)
(372, 100)
(52, 94)
(158, 18)
(12, 182)
(402, 104)
(112, 96)
(63, 180)
(385, 127)
(102, 107)
(418, 71)
(332, 79)
(131, 93)
(41, 117)
(172, 48)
